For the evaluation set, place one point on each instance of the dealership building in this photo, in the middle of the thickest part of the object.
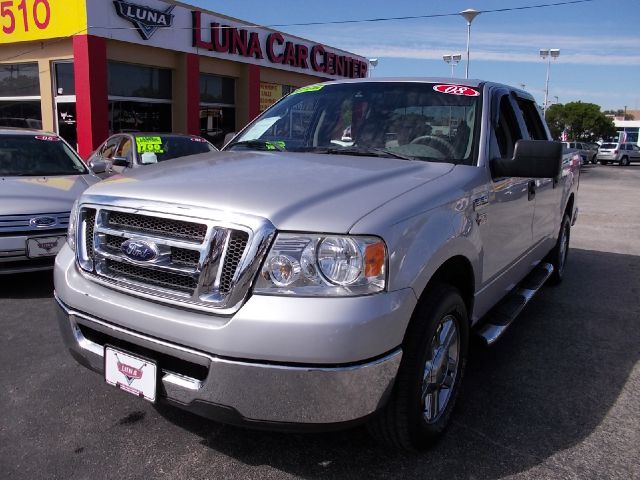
(89, 68)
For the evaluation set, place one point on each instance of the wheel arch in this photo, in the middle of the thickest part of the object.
(457, 271)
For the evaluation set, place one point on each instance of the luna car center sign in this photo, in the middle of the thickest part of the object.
(275, 47)
(180, 28)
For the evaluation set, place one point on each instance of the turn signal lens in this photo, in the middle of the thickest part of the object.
(374, 257)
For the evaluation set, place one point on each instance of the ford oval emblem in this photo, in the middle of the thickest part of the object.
(41, 222)
(139, 250)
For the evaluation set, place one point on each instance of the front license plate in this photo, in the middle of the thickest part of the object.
(130, 373)
(44, 246)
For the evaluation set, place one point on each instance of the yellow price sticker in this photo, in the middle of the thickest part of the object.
(149, 144)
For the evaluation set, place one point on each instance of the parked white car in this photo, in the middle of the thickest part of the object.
(623, 153)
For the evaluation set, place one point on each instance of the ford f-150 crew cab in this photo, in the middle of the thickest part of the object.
(329, 266)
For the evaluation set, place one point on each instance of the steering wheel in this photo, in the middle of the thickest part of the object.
(436, 142)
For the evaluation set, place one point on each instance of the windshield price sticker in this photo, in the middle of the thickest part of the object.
(457, 90)
(149, 144)
(310, 88)
(47, 138)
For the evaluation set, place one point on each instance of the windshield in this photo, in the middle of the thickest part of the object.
(36, 155)
(417, 121)
(158, 148)
(609, 145)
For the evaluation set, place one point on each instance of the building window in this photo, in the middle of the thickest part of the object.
(139, 98)
(126, 80)
(20, 96)
(217, 107)
(65, 82)
(19, 80)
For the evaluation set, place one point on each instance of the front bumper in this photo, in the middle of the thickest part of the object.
(13, 253)
(237, 391)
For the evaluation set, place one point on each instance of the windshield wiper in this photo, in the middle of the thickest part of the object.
(364, 151)
(260, 144)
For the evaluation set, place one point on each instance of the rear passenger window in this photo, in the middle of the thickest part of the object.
(532, 120)
(507, 132)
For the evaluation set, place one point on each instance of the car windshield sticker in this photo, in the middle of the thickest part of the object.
(47, 138)
(149, 144)
(197, 139)
(148, 157)
(310, 88)
(457, 90)
(276, 145)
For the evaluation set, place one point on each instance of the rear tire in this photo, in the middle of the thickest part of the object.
(558, 256)
(624, 161)
(428, 381)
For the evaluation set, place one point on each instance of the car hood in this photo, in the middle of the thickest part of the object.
(295, 191)
(27, 195)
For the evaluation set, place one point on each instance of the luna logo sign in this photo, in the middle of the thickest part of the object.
(146, 20)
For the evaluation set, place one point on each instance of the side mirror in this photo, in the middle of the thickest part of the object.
(531, 159)
(228, 137)
(97, 165)
(121, 162)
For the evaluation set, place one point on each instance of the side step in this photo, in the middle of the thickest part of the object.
(505, 312)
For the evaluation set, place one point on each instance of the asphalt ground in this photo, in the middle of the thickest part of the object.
(558, 397)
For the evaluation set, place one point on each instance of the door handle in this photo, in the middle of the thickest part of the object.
(532, 189)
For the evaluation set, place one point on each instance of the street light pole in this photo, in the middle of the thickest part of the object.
(469, 14)
(452, 60)
(547, 54)
(374, 63)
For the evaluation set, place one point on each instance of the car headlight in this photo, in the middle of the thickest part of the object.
(323, 265)
(73, 225)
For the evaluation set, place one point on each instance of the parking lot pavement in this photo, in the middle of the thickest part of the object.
(558, 397)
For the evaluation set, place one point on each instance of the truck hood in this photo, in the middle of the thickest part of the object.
(27, 195)
(295, 191)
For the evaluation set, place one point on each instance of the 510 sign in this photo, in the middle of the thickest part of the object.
(18, 13)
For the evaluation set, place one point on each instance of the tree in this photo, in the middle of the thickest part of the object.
(583, 121)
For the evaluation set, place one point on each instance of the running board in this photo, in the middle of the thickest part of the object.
(505, 312)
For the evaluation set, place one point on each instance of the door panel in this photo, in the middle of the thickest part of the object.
(505, 222)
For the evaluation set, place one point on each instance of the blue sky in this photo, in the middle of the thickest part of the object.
(599, 41)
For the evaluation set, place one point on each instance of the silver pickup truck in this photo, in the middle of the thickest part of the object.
(330, 265)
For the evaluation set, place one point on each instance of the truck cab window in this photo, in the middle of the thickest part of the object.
(506, 131)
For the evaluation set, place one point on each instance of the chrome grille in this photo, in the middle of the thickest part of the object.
(237, 246)
(90, 218)
(17, 224)
(158, 226)
(198, 261)
(159, 278)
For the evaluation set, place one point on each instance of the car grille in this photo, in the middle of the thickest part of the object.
(195, 262)
(28, 224)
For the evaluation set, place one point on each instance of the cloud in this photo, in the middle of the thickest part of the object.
(419, 42)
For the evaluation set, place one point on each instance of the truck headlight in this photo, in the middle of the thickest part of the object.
(323, 265)
(73, 225)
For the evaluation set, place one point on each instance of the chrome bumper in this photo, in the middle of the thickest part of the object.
(246, 391)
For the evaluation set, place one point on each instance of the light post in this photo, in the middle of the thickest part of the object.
(374, 63)
(469, 14)
(548, 54)
(452, 60)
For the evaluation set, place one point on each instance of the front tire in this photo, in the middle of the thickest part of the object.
(624, 162)
(428, 381)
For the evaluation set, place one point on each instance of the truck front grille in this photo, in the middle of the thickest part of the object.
(196, 263)
(193, 232)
